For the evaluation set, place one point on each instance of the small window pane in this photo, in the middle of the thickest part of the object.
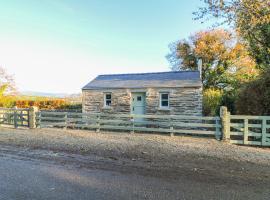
(139, 98)
(108, 96)
(164, 96)
(164, 100)
(108, 102)
(164, 103)
(108, 99)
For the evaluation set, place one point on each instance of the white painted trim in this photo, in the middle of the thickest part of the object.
(104, 99)
(160, 100)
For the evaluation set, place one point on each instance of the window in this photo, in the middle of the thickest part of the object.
(164, 100)
(139, 98)
(107, 99)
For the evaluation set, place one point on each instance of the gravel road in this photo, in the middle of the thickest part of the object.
(159, 166)
(39, 175)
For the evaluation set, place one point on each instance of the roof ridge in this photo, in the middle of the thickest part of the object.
(154, 79)
(149, 73)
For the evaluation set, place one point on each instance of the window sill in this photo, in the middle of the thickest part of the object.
(107, 108)
(164, 109)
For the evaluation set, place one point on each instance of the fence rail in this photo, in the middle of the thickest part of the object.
(250, 130)
(171, 124)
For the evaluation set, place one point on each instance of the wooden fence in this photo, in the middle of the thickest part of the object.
(14, 117)
(171, 124)
(237, 129)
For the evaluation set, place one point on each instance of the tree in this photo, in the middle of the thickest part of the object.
(7, 83)
(251, 20)
(226, 62)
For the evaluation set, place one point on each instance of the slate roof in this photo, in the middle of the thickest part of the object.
(146, 80)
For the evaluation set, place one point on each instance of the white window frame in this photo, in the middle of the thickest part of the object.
(160, 100)
(105, 100)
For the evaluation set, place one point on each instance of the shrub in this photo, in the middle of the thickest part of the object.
(211, 101)
(228, 100)
(254, 97)
(75, 106)
(42, 103)
(7, 101)
(45, 104)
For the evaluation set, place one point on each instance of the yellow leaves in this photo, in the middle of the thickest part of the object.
(28, 101)
(256, 12)
(251, 20)
(211, 101)
(211, 44)
(225, 54)
(251, 14)
(226, 61)
(245, 66)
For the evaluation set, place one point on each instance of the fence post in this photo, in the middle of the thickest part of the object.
(32, 121)
(132, 119)
(15, 117)
(66, 121)
(98, 123)
(39, 119)
(245, 131)
(218, 133)
(264, 132)
(225, 123)
(171, 127)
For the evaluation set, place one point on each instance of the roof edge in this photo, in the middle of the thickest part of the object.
(150, 73)
(115, 88)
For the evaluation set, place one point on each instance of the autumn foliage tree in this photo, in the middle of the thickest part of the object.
(226, 65)
(250, 19)
(226, 62)
(251, 22)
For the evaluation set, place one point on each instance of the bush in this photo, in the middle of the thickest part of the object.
(7, 101)
(42, 103)
(254, 97)
(212, 99)
(228, 100)
(75, 106)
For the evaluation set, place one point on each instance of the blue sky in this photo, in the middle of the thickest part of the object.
(60, 45)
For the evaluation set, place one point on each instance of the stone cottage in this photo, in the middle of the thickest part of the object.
(162, 93)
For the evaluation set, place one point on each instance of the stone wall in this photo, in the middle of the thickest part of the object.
(93, 101)
(183, 101)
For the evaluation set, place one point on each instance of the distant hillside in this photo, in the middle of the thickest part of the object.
(44, 94)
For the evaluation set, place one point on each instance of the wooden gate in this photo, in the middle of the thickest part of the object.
(249, 130)
(14, 117)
